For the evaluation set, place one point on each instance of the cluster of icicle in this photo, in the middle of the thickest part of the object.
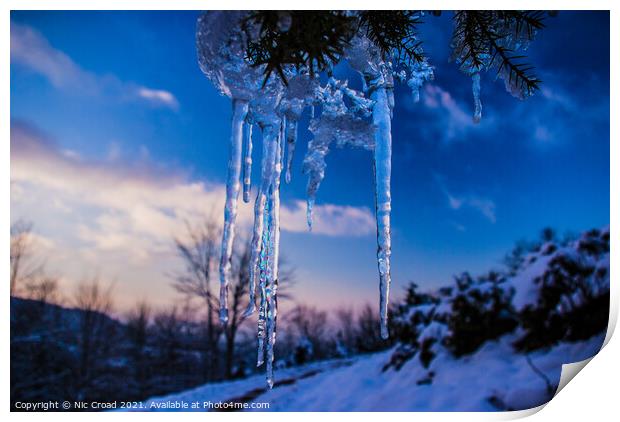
(347, 118)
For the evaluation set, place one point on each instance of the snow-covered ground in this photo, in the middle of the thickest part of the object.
(494, 377)
(465, 384)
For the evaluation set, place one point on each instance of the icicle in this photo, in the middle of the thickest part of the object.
(259, 207)
(383, 168)
(475, 78)
(240, 111)
(281, 144)
(263, 283)
(255, 248)
(247, 167)
(261, 240)
(264, 268)
(390, 98)
(364, 57)
(291, 139)
(272, 286)
(309, 206)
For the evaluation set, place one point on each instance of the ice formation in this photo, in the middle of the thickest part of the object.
(475, 83)
(220, 44)
(247, 162)
(340, 115)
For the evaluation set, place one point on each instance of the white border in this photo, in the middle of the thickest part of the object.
(592, 395)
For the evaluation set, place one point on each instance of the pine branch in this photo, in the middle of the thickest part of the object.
(312, 39)
(519, 74)
(394, 32)
(484, 39)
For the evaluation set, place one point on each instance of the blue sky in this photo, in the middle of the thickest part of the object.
(115, 100)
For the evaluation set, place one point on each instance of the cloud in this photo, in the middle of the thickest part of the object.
(328, 219)
(154, 201)
(555, 104)
(447, 118)
(159, 96)
(29, 48)
(453, 119)
(485, 206)
(435, 97)
(118, 219)
(458, 226)
(136, 203)
(441, 117)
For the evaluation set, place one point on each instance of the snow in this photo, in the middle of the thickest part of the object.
(465, 384)
(420, 73)
(526, 283)
(222, 391)
(494, 377)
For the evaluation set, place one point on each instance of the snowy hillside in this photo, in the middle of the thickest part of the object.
(492, 379)
(497, 342)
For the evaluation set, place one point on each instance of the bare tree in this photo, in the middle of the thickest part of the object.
(199, 253)
(346, 330)
(94, 337)
(43, 289)
(138, 323)
(309, 325)
(237, 304)
(20, 250)
(369, 336)
(168, 333)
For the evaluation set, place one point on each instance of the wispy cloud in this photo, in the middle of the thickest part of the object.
(437, 97)
(448, 118)
(454, 119)
(329, 219)
(137, 202)
(159, 96)
(29, 48)
(119, 218)
(485, 206)
(555, 103)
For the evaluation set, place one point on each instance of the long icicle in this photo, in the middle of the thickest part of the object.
(261, 240)
(247, 162)
(264, 267)
(272, 288)
(259, 209)
(240, 111)
(383, 170)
